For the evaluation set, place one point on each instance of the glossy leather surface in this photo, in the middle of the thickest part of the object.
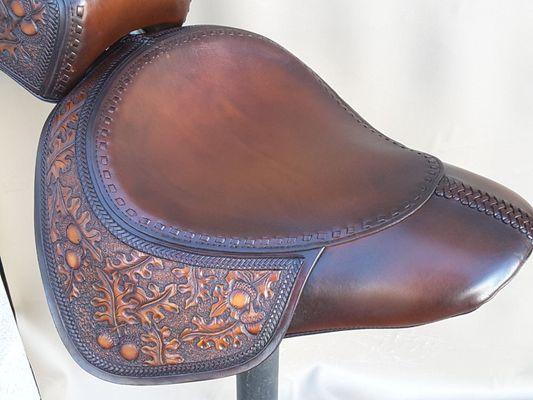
(447, 259)
(202, 187)
(247, 150)
(48, 45)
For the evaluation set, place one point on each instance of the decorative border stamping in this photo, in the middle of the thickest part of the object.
(97, 133)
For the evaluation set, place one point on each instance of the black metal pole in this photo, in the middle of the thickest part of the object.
(261, 382)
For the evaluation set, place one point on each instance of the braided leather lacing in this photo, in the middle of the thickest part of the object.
(451, 188)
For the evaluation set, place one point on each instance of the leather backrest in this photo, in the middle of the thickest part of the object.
(48, 45)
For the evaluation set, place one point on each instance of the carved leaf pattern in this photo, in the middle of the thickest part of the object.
(64, 126)
(14, 16)
(119, 299)
(221, 308)
(71, 279)
(90, 237)
(37, 10)
(261, 280)
(197, 285)
(115, 300)
(136, 266)
(126, 303)
(236, 311)
(221, 304)
(150, 306)
(216, 334)
(159, 349)
(67, 206)
(264, 281)
(59, 161)
(8, 40)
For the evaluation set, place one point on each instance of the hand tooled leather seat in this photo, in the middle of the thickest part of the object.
(202, 194)
(48, 45)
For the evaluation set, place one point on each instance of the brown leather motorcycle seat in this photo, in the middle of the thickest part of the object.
(202, 194)
(48, 45)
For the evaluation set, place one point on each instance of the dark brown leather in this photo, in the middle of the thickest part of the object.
(201, 188)
(48, 45)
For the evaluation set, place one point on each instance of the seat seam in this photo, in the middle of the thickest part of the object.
(486, 203)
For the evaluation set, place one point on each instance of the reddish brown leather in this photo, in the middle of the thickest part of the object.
(104, 22)
(233, 138)
(48, 45)
(446, 259)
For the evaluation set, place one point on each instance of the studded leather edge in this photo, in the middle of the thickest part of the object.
(451, 188)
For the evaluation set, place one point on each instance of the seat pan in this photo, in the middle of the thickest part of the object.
(247, 149)
(447, 259)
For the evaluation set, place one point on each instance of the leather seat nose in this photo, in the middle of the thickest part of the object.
(447, 259)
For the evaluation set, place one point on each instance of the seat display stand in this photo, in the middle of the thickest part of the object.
(261, 382)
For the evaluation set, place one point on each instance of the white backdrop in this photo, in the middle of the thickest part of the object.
(452, 78)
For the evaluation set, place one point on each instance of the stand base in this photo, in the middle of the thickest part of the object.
(261, 382)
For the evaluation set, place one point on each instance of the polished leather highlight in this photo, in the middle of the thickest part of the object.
(48, 45)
